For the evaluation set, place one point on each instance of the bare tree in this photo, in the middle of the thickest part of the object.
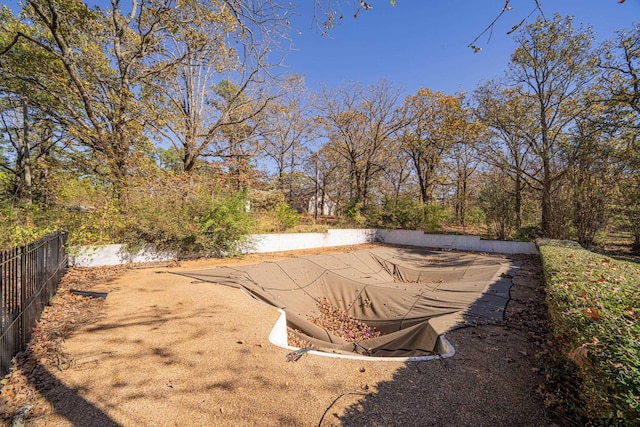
(359, 122)
(503, 111)
(464, 161)
(216, 84)
(432, 129)
(286, 129)
(397, 177)
(551, 68)
(593, 176)
(620, 62)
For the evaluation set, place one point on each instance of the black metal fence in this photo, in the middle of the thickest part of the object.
(29, 277)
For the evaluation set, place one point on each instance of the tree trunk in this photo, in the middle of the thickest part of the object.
(24, 180)
(292, 168)
(518, 199)
(422, 179)
(463, 203)
(547, 224)
(636, 243)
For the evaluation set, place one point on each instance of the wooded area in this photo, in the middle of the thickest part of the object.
(167, 122)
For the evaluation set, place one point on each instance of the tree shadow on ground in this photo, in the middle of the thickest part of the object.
(621, 255)
(496, 376)
(60, 399)
(461, 391)
(67, 402)
(620, 247)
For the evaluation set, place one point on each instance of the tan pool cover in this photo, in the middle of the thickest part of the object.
(412, 296)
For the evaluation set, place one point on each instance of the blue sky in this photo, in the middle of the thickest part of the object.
(422, 43)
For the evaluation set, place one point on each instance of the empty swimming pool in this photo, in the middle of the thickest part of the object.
(406, 298)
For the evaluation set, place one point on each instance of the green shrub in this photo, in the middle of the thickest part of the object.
(183, 213)
(404, 213)
(476, 216)
(227, 225)
(95, 225)
(595, 309)
(407, 213)
(187, 216)
(435, 216)
(353, 212)
(23, 224)
(528, 233)
(286, 216)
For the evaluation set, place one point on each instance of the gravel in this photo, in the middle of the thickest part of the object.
(164, 351)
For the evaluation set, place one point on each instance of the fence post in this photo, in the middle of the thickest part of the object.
(23, 294)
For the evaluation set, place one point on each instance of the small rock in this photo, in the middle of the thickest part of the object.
(362, 369)
(18, 420)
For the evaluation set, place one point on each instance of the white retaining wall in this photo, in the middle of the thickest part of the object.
(103, 255)
(95, 256)
(262, 243)
(452, 241)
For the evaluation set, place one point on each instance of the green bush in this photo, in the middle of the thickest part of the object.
(409, 214)
(286, 216)
(528, 233)
(23, 224)
(595, 309)
(188, 216)
(435, 216)
(353, 213)
(402, 213)
(476, 216)
(95, 225)
(227, 225)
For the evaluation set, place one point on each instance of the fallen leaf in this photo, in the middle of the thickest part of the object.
(579, 355)
(592, 312)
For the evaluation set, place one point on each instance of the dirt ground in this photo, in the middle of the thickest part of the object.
(163, 350)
